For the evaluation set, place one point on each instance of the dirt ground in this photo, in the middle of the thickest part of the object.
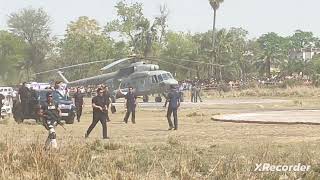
(196, 129)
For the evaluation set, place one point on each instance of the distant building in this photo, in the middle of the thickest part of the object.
(304, 54)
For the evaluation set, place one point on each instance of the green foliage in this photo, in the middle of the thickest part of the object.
(33, 26)
(85, 42)
(12, 54)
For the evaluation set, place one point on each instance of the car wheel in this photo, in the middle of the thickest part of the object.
(70, 119)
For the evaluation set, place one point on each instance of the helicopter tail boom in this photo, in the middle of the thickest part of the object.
(63, 77)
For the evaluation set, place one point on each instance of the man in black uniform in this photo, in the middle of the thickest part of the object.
(78, 101)
(174, 103)
(131, 103)
(1, 104)
(51, 114)
(99, 114)
(33, 101)
(107, 95)
(24, 94)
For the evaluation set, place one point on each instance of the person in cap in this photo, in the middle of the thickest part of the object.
(79, 103)
(173, 98)
(50, 114)
(99, 113)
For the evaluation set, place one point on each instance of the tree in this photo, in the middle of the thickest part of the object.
(178, 46)
(301, 39)
(12, 57)
(215, 4)
(85, 42)
(144, 36)
(131, 23)
(33, 25)
(274, 51)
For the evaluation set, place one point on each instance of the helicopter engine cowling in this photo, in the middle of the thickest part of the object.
(146, 67)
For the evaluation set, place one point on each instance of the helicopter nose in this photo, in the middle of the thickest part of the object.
(169, 83)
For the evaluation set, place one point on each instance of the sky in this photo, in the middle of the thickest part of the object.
(256, 16)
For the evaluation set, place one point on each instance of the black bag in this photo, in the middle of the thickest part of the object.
(113, 109)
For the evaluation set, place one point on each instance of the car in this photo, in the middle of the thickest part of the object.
(68, 109)
(7, 91)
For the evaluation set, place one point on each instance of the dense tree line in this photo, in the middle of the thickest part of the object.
(223, 54)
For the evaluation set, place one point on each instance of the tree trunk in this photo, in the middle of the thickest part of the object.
(213, 40)
(268, 67)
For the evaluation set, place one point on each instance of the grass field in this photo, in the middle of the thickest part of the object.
(200, 149)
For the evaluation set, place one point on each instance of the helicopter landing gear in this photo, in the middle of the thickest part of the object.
(145, 98)
(158, 99)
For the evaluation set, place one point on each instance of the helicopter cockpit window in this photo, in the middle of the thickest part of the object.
(154, 78)
(165, 76)
(160, 78)
(170, 76)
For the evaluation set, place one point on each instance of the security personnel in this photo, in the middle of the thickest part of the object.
(51, 114)
(174, 103)
(99, 113)
(33, 100)
(78, 101)
(131, 103)
(198, 92)
(193, 93)
(24, 94)
(107, 96)
(1, 104)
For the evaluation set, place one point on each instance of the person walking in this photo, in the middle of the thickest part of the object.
(99, 114)
(79, 103)
(131, 103)
(51, 114)
(174, 103)
(107, 98)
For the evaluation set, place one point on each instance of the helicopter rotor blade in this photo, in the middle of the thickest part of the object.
(178, 65)
(115, 63)
(73, 66)
(198, 62)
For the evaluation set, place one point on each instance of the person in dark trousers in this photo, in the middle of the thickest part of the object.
(131, 103)
(1, 104)
(107, 96)
(99, 114)
(193, 94)
(24, 94)
(51, 114)
(33, 100)
(198, 92)
(174, 103)
(79, 103)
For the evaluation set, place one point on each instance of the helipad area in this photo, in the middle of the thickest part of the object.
(273, 117)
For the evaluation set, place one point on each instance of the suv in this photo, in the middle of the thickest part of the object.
(66, 106)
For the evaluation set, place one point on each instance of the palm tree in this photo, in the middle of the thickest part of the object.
(215, 4)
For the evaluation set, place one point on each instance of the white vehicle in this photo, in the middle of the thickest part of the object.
(7, 91)
(6, 109)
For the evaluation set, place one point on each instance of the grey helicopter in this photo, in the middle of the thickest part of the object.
(146, 79)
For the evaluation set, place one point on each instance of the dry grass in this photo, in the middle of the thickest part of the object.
(200, 149)
(297, 91)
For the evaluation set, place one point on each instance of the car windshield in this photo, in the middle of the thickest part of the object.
(56, 95)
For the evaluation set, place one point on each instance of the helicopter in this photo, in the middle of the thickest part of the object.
(146, 79)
